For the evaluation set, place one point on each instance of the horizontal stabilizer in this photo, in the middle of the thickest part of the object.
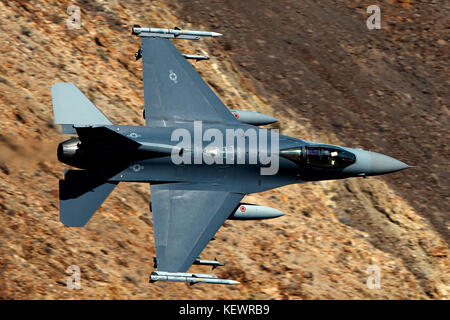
(80, 195)
(72, 107)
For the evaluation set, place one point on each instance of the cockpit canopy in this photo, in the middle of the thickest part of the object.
(319, 156)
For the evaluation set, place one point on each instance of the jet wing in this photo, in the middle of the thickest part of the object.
(173, 90)
(185, 218)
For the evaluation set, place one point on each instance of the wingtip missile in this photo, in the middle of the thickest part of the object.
(172, 33)
(191, 278)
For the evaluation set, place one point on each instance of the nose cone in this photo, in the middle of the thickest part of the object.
(382, 164)
(372, 163)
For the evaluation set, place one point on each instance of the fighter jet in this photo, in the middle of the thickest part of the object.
(199, 157)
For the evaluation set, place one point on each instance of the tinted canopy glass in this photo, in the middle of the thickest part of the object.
(319, 156)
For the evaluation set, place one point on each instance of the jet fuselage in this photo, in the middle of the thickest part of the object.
(122, 154)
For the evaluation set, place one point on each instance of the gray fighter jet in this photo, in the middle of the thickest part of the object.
(199, 157)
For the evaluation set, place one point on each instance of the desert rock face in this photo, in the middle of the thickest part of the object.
(313, 66)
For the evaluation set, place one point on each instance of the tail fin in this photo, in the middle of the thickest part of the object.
(72, 107)
(80, 195)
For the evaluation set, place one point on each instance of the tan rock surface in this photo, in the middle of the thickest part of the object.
(314, 252)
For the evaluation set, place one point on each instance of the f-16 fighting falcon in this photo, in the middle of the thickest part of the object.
(199, 157)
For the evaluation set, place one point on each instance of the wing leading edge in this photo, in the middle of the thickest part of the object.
(185, 218)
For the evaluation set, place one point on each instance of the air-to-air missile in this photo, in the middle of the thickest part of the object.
(191, 278)
(214, 263)
(253, 118)
(195, 57)
(254, 212)
(175, 33)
